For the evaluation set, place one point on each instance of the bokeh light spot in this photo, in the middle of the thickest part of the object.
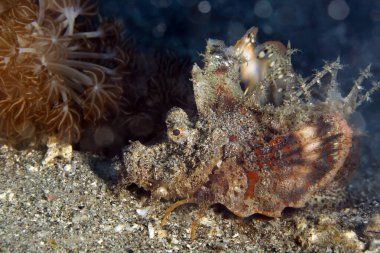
(204, 7)
(159, 30)
(263, 9)
(338, 9)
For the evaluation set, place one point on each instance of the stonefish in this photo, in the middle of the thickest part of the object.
(264, 138)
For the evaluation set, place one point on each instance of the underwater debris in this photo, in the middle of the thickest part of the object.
(57, 72)
(258, 149)
(325, 233)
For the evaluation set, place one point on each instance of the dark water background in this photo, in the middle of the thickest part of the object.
(321, 29)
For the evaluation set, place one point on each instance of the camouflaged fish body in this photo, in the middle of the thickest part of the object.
(257, 149)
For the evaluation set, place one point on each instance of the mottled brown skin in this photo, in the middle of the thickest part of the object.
(250, 157)
(283, 172)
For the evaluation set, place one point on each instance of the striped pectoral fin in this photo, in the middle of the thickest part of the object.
(324, 148)
(300, 164)
(252, 179)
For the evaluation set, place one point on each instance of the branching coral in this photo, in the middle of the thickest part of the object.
(57, 73)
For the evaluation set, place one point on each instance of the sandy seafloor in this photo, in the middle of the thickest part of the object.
(73, 206)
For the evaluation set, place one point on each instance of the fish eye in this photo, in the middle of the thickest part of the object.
(178, 126)
(176, 132)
